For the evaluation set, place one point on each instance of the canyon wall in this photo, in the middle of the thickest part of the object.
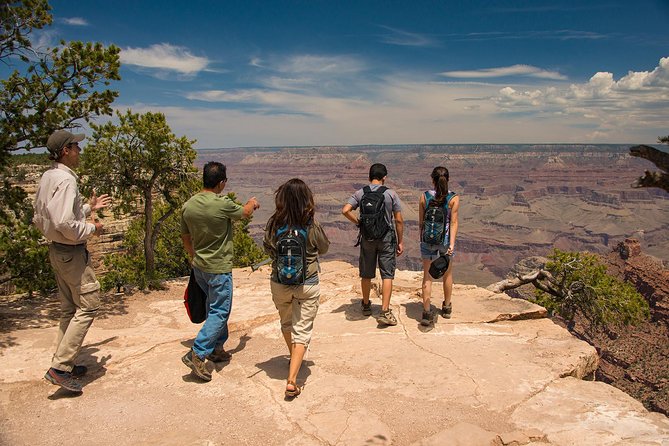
(515, 201)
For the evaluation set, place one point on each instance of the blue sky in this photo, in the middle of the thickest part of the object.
(271, 73)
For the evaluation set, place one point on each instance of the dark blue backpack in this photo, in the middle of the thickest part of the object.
(435, 220)
(291, 255)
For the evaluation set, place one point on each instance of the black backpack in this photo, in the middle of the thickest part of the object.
(291, 255)
(373, 224)
(435, 220)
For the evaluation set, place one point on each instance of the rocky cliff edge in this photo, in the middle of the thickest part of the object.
(498, 373)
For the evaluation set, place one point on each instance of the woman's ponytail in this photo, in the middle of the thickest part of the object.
(440, 181)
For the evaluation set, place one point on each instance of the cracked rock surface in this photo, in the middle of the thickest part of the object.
(498, 372)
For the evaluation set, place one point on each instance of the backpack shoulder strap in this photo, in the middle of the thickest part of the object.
(449, 197)
(366, 190)
(428, 198)
(382, 189)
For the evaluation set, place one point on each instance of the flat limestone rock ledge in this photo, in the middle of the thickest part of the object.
(497, 373)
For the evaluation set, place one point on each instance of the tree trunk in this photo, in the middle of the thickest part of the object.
(657, 157)
(149, 240)
(515, 282)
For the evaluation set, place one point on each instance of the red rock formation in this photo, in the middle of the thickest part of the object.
(636, 359)
(648, 275)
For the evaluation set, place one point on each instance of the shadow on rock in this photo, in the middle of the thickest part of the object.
(277, 368)
(353, 311)
(96, 366)
(23, 312)
(414, 310)
(241, 345)
(193, 378)
(243, 340)
(62, 393)
(7, 341)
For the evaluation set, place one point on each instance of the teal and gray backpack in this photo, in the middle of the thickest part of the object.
(291, 255)
(437, 220)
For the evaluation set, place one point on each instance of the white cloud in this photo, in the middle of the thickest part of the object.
(320, 65)
(599, 86)
(224, 96)
(256, 62)
(75, 21)
(297, 108)
(659, 77)
(164, 56)
(563, 35)
(325, 75)
(636, 103)
(406, 38)
(44, 39)
(635, 90)
(513, 70)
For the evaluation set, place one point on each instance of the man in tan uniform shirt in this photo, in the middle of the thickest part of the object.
(61, 216)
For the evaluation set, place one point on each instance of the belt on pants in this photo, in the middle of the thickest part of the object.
(65, 245)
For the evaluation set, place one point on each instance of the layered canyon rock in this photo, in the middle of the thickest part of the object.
(516, 200)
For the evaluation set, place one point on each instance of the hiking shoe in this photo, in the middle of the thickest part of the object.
(197, 365)
(427, 319)
(78, 371)
(387, 318)
(446, 310)
(63, 379)
(366, 308)
(219, 355)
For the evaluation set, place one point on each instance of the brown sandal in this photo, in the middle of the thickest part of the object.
(292, 393)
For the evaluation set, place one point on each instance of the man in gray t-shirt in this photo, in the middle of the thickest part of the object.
(382, 251)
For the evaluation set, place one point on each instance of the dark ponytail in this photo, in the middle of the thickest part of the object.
(440, 180)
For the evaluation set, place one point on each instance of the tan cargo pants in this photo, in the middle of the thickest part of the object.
(79, 293)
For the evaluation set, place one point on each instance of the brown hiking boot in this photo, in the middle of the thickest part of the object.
(427, 318)
(366, 308)
(197, 365)
(387, 318)
(446, 310)
(219, 355)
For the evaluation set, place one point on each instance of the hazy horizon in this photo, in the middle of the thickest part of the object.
(416, 145)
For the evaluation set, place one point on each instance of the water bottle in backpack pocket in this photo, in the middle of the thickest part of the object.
(291, 255)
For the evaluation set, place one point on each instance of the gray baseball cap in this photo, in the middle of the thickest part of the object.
(61, 138)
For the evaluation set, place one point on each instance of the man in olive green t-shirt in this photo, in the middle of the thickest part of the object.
(206, 231)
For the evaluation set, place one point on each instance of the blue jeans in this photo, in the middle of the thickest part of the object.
(214, 332)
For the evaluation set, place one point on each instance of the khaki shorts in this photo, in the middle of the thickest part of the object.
(297, 307)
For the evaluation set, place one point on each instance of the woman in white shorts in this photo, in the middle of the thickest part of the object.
(298, 302)
(439, 196)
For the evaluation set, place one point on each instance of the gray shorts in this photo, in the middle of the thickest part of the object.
(381, 252)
